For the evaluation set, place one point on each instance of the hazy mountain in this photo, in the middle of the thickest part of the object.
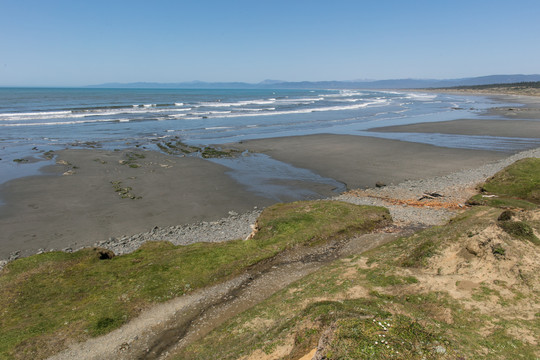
(372, 84)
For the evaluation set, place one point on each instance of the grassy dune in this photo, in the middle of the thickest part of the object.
(52, 298)
(465, 290)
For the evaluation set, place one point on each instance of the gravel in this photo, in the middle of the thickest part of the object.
(456, 187)
(235, 226)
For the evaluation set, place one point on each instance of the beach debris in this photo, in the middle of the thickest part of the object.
(430, 196)
(68, 173)
(62, 162)
(439, 203)
(380, 184)
(254, 231)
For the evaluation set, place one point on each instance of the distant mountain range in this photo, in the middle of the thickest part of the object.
(371, 84)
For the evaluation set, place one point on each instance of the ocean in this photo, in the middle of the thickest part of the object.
(36, 120)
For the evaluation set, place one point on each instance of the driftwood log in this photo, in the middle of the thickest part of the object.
(430, 196)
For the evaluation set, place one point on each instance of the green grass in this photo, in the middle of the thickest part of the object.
(60, 295)
(519, 229)
(397, 337)
(520, 180)
(414, 325)
(501, 202)
(516, 186)
(420, 324)
(381, 277)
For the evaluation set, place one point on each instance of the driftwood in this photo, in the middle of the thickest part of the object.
(430, 196)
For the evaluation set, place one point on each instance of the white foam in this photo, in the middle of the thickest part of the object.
(59, 123)
(378, 102)
(238, 103)
(421, 96)
(36, 113)
(178, 104)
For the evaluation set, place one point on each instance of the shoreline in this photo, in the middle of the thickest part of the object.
(456, 186)
(85, 206)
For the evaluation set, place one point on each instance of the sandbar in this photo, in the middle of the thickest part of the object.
(504, 128)
(361, 161)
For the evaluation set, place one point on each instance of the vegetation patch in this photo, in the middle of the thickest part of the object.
(500, 202)
(177, 147)
(380, 277)
(516, 186)
(520, 229)
(57, 294)
(520, 180)
(282, 221)
(369, 307)
(48, 154)
(398, 337)
(124, 191)
(131, 159)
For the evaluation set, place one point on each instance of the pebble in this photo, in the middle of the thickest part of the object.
(235, 226)
(239, 226)
(451, 186)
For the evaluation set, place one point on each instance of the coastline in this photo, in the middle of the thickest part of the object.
(85, 207)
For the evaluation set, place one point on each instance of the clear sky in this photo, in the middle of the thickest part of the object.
(81, 42)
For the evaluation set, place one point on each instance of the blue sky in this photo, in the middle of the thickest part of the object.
(71, 43)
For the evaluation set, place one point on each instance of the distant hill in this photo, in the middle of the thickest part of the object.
(518, 85)
(528, 88)
(374, 84)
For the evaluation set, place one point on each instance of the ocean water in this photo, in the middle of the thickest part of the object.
(36, 120)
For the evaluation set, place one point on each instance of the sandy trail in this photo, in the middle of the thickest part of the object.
(166, 328)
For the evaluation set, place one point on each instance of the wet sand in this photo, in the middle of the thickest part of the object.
(505, 128)
(360, 161)
(59, 211)
(83, 207)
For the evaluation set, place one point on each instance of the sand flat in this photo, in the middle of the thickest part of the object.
(361, 161)
(505, 128)
(55, 211)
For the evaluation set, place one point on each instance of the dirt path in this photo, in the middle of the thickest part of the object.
(166, 328)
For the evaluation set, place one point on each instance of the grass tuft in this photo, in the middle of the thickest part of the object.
(519, 229)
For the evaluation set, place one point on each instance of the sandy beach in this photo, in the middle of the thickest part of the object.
(505, 128)
(92, 201)
(83, 206)
(92, 195)
(360, 161)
